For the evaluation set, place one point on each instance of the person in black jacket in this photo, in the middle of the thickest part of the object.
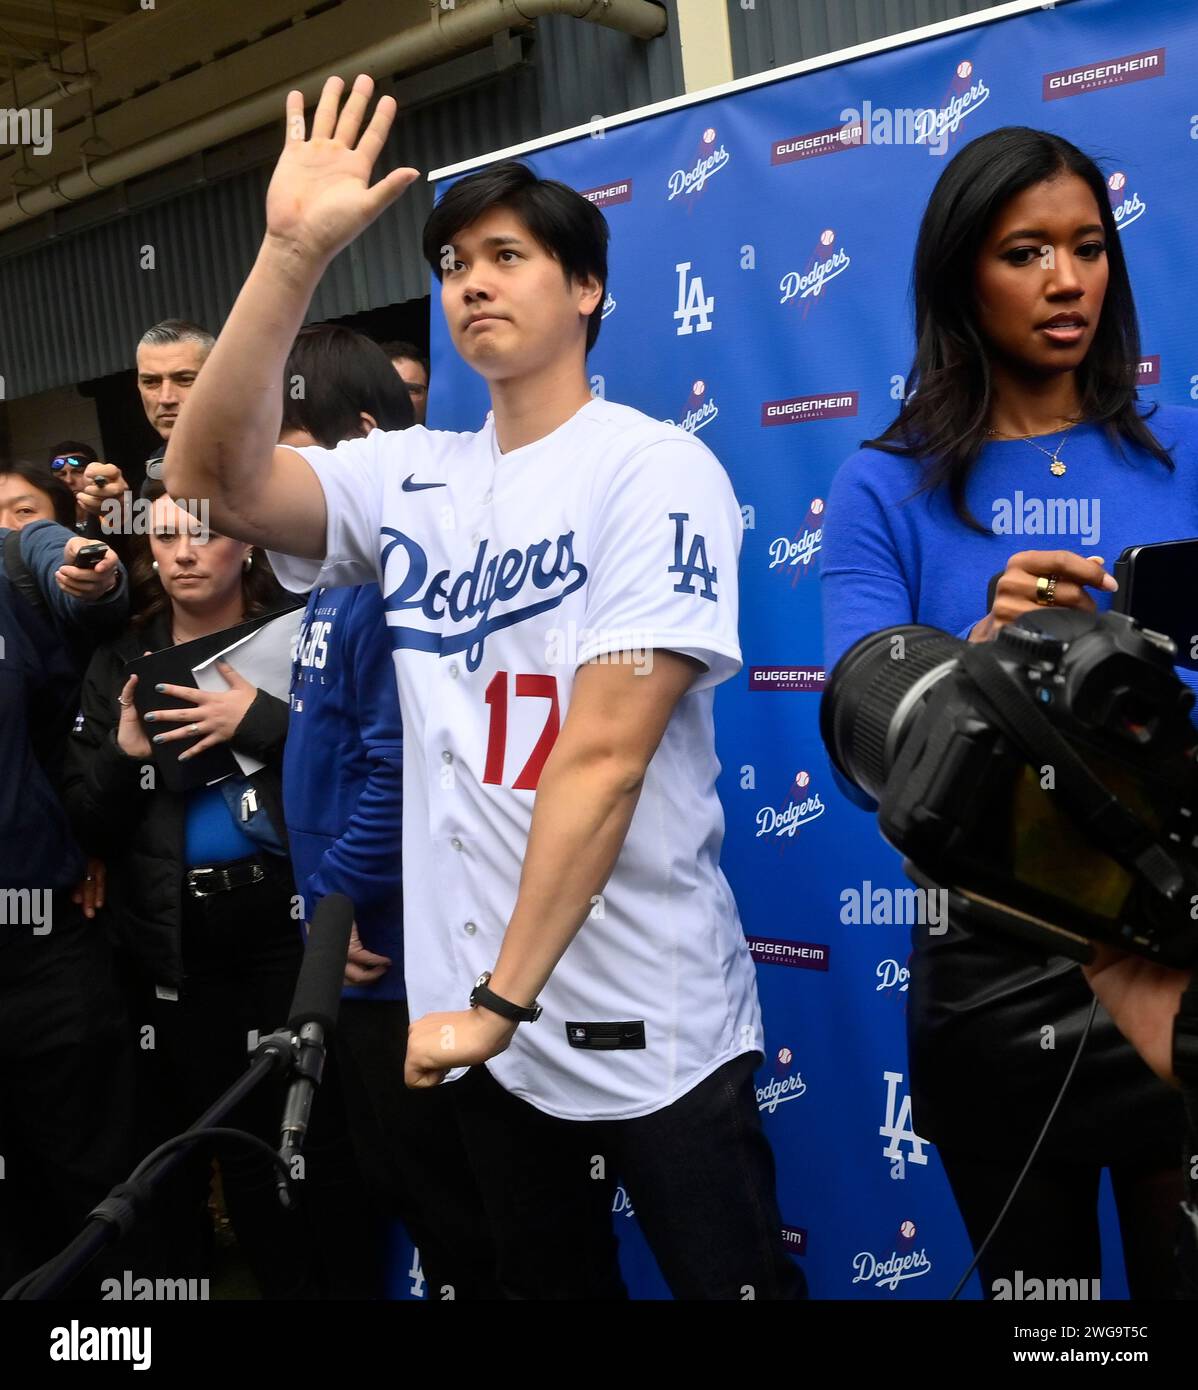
(199, 882)
(65, 1067)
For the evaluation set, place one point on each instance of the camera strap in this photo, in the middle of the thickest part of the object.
(1103, 816)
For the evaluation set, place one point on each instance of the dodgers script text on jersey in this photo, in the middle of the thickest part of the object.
(500, 574)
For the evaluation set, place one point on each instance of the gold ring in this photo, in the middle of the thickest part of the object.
(1046, 590)
(193, 728)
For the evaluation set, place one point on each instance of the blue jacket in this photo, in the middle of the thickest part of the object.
(342, 771)
(40, 671)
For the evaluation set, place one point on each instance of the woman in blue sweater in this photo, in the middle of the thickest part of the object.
(1022, 415)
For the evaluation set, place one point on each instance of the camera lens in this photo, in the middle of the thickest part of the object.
(875, 691)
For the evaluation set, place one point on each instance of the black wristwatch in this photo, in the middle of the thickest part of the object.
(1185, 1038)
(480, 994)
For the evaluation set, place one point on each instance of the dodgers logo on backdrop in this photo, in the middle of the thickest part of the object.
(893, 978)
(786, 1084)
(965, 94)
(707, 161)
(826, 262)
(700, 410)
(609, 305)
(898, 1129)
(1126, 206)
(472, 593)
(802, 806)
(793, 555)
(889, 1271)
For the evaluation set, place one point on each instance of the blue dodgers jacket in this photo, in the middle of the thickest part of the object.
(342, 771)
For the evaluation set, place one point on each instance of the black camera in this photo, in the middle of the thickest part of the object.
(1047, 779)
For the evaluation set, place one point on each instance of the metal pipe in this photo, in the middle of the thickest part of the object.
(452, 30)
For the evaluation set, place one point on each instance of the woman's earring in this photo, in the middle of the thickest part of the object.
(154, 566)
(248, 562)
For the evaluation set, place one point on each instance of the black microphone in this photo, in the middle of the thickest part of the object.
(313, 1017)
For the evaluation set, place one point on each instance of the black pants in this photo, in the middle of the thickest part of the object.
(699, 1174)
(241, 955)
(1051, 1229)
(410, 1153)
(66, 1088)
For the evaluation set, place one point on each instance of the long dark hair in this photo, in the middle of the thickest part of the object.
(944, 418)
(261, 592)
(62, 499)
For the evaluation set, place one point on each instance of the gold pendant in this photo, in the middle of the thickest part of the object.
(1056, 468)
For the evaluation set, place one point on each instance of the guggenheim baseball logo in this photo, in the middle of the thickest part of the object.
(787, 678)
(798, 409)
(609, 194)
(708, 160)
(1112, 72)
(773, 950)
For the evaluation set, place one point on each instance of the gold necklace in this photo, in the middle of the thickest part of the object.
(1055, 467)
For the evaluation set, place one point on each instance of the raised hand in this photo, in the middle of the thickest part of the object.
(320, 196)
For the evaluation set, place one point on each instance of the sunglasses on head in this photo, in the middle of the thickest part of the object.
(67, 461)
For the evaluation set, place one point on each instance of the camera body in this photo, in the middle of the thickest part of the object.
(1047, 779)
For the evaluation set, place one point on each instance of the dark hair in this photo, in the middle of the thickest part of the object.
(342, 374)
(570, 227)
(73, 447)
(945, 415)
(397, 347)
(177, 331)
(38, 475)
(260, 590)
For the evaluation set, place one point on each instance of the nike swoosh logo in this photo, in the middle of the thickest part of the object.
(409, 486)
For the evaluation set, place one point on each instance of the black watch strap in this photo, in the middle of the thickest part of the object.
(517, 1013)
(1185, 1037)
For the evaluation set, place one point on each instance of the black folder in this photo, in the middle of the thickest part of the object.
(173, 666)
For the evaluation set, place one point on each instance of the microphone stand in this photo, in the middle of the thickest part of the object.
(276, 1054)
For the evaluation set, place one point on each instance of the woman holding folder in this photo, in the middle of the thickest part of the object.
(199, 881)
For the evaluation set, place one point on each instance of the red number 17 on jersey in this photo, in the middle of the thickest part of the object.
(533, 687)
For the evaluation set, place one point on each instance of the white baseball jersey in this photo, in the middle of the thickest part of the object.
(501, 573)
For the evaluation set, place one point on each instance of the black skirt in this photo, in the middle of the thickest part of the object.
(992, 1029)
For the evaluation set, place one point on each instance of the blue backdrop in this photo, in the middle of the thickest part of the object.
(760, 263)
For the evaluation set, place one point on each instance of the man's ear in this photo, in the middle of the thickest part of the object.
(368, 422)
(594, 291)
